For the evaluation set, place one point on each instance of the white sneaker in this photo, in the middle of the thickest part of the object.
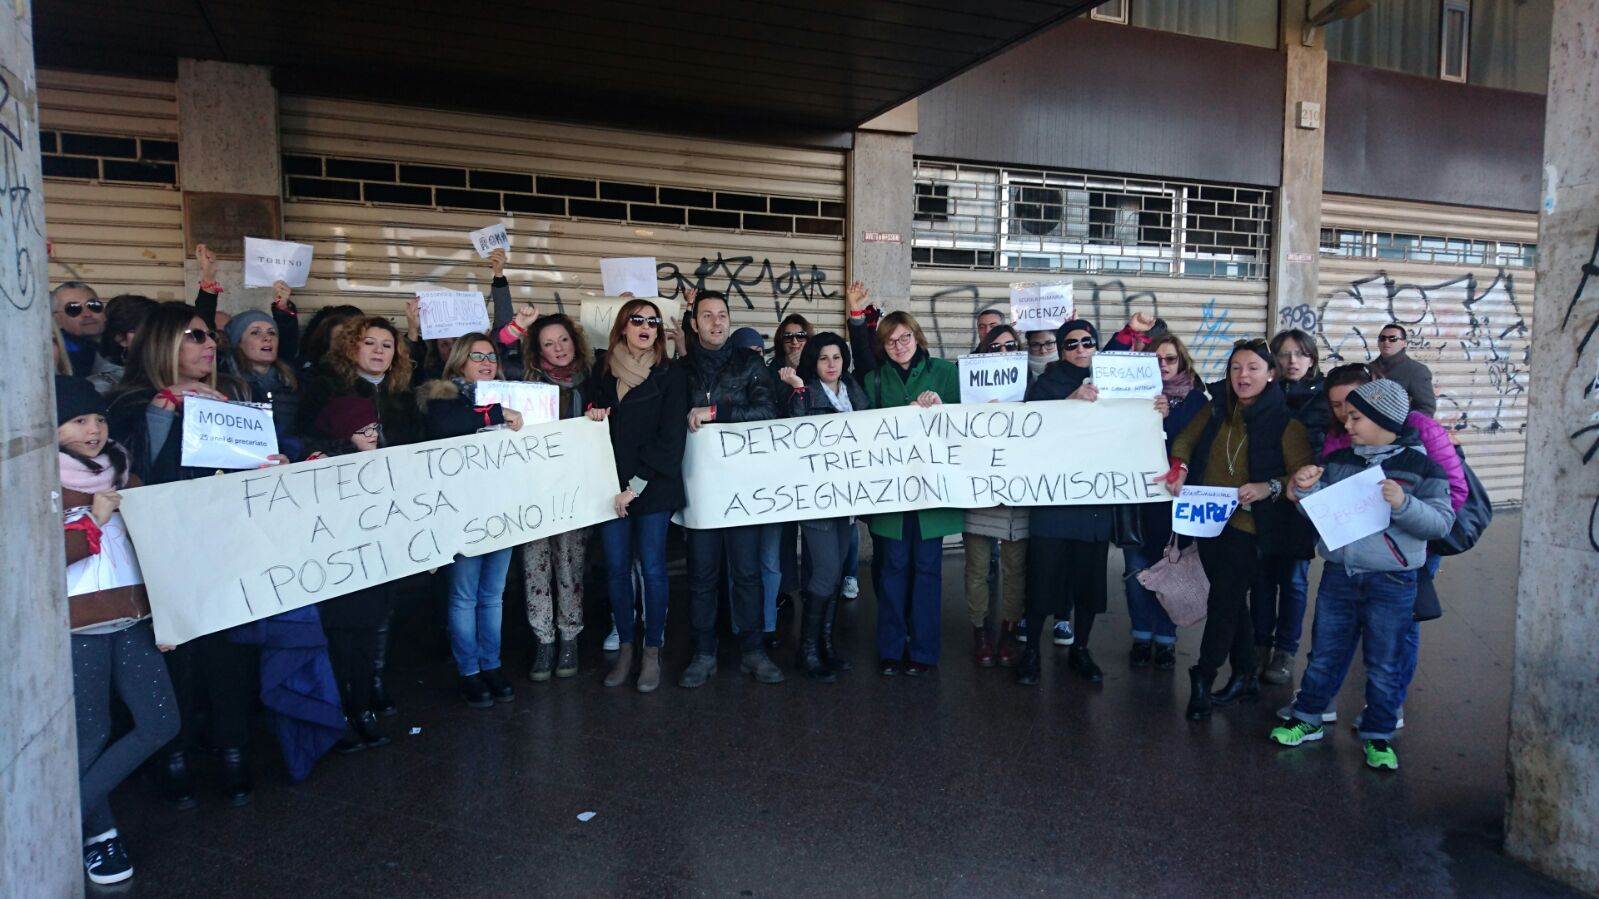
(852, 587)
(613, 642)
(1063, 633)
(1287, 712)
(1398, 725)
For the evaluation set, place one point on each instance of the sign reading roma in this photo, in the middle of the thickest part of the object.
(1065, 452)
(260, 542)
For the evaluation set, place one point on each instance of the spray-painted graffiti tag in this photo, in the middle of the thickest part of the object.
(18, 162)
(728, 275)
(1590, 391)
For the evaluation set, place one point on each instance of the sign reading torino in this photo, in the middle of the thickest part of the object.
(225, 550)
(1065, 452)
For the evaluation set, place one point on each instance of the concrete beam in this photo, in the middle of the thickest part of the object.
(1296, 217)
(882, 202)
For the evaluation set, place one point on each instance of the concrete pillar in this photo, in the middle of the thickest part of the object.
(1296, 218)
(1552, 821)
(41, 844)
(882, 201)
(228, 143)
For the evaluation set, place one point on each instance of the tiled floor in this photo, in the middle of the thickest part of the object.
(957, 784)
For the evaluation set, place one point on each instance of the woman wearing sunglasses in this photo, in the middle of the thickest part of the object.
(643, 397)
(477, 583)
(1006, 526)
(788, 344)
(1245, 438)
(554, 352)
(174, 357)
(1069, 546)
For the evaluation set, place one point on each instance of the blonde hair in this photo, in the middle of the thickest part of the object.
(455, 364)
(153, 355)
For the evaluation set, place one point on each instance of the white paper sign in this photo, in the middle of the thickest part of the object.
(487, 240)
(226, 435)
(539, 403)
(298, 534)
(451, 313)
(1350, 509)
(1127, 375)
(986, 377)
(597, 314)
(629, 274)
(1040, 307)
(1062, 452)
(113, 566)
(267, 261)
(1203, 511)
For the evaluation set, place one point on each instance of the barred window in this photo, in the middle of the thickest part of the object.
(1429, 248)
(1048, 221)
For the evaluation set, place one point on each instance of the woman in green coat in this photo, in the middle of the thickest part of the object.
(910, 575)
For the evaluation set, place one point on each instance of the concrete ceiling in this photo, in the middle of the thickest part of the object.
(754, 67)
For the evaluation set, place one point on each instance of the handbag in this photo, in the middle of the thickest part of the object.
(1472, 519)
(1127, 525)
(1179, 583)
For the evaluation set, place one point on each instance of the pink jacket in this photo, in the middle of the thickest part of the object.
(1439, 449)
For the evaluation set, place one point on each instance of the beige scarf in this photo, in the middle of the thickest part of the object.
(629, 368)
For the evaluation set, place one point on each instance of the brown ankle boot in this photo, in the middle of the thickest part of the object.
(649, 672)
(622, 667)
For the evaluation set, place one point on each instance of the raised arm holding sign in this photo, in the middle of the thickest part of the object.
(269, 261)
(487, 240)
(1041, 307)
(630, 274)
(451, 313)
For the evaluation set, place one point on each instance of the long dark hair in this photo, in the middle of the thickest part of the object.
(813, 350)
(113, 451)
(1351, 374)
(123, 314)
(319, 331)
(993, 336)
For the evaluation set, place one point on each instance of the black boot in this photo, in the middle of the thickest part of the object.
(366, 727)
(176, 782)
(381, 703)
(824, 647)
(236, 785)
(1028, 673)
(351, 742)
(1082, 664)
(1198, 696)
(809, 659)
(1241, 687)
(543, 662)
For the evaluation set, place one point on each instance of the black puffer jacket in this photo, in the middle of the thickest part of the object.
(397, 410)
(1307, 404)
(742, 389)
(448, 412)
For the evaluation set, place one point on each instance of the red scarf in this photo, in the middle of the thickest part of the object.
(561, 373)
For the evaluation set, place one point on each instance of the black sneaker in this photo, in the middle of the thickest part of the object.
(499, 687)
(1165, 656)
(107, 862)
(476, 692)
(1141, 655)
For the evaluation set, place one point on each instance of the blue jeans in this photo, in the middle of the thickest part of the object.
(912, 581)
(1150, 621)
(772, 536)
(641, 537)
(477, 587)
(1277, 602)
(1375, 609)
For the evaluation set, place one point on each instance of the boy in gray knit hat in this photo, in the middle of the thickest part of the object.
(1368, 587)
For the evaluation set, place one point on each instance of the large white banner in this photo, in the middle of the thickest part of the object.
(1065, 452)
(225, 550)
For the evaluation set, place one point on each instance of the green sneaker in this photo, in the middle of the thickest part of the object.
(1296, 732)
(1380, 754)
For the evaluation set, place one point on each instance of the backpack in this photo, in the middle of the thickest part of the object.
(1472, 519)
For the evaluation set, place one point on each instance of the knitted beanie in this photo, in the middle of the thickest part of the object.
(236, 326)
(1384, 402)
(75, 397)
(746, 339)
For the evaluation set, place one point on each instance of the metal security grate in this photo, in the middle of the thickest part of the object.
(1028, 220)
(1440, 249)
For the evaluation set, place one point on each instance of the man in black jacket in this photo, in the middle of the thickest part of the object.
(725, 385)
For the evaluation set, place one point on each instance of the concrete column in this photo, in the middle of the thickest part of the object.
(41, 843)
(228, 143)
(1296, 216)
(1552, 821)
(882, 202)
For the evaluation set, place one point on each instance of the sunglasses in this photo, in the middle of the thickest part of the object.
(1086, 343)
(1009, 346)
(482, 357)
(200, 335)
(1249, 343)
(653, 321)
(1171, 359)
(75, 309)
(795, 337)
(1390, 338)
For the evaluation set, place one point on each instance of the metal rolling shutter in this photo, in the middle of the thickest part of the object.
(118, 234)
(1208, 314)
(387, 196)
(1462, 280)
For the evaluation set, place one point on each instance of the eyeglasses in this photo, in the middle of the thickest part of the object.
(75, 308)
(482, 357)
(1293, 354)
(1391, 338)
(1009, 346)
(1041, 345)
(200, 335)
(901, 340)
(1086, 343)
(373, 431)
(653, 321)
(795, 337)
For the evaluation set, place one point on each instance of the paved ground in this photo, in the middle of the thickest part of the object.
(959, 784)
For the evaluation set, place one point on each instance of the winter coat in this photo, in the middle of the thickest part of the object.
(742, 391)
(397, 411)
(886, 387)
(1307, 403)
(1415, 377)
(812, 400)
(1090, 524)
(1425, 514)
(129, 603)
(1440, 449)
(648, 428)
(269, 388)
(156, 456)
(448, 412)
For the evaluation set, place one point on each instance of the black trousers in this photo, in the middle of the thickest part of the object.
(215, 681)
(1065, 577)
(1231, 562)
(741, 547)
(354, 654)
